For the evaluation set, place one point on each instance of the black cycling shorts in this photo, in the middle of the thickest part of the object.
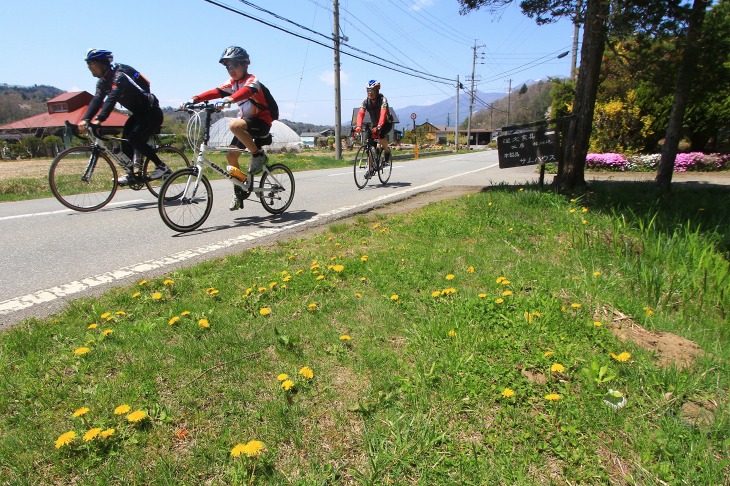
(256, 127)
(385, 130)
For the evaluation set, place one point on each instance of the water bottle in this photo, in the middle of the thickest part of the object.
(236, 172)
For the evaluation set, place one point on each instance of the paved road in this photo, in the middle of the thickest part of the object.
(50, 255)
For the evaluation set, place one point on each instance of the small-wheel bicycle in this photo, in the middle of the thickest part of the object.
(370, 159)
(186, 196)
(84, 178)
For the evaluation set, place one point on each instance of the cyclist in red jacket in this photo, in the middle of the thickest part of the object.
(125, 85)
(254, 116)
(376, 105)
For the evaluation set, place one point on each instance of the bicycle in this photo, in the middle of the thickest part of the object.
(186, 196)
(84, 178)
(369, 159)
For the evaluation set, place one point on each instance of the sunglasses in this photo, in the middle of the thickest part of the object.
(233, 65)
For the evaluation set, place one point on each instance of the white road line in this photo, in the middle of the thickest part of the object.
(23, 302)
(60, 211)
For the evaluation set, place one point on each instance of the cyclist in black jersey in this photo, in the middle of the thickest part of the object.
(119, 83)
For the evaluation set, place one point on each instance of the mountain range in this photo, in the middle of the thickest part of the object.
(443, 113)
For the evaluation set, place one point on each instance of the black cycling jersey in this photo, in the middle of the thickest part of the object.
(124, 85)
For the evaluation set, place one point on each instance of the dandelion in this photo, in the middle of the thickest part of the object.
(452, 333)
(376, 225)
(622, 357)
(272, 285)
(345, 337)
(204, 323)
(81, 412)
(394, 297)
(470, 269)
(575, 305)
(92, 434)
(506, 293)
(364, 258)
(298, 272)
(553, 397)
(137, 416)
(499, 301)
(338, 268)
(557, 368)
(105, 434)
(597, 323)
(585, 210)
(489, 203)
(106, 332)
(596, 274)
(287, 385)
(508, 393)
(312, 307)
(363, 279)
(320, 277)
(358, 295)
(254, 448)
(450, 276)
(142, 283)
(547, 354)
(585, 221)
(572, 210)
(156, 296)
(136, 295)
(282, 377)
(435, 293)
(65, 439)
(448, 291)
(168, 282)
(105, 315)
(505, 282)
(307, 372)
(265, 311)
(82, 350)
(286, 279)
(173, 320)
(482, 296)
(648, 311)
(211, 291)
(184, 313)
(92, 326)
(122, 409)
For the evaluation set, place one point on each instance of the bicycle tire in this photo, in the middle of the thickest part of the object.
(385, 168)
(177, 209)
(174, 158)
(278, 189)
(66, 178)
(361, 166)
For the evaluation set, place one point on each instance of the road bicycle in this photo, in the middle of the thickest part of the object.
(369, 159)
(186, 197)
(84, 178)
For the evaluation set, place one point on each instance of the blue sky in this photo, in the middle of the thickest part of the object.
(177, 44)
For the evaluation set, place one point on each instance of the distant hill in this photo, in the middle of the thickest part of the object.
(18, 102)
(444, 112)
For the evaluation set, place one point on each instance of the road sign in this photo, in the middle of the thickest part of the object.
(413, 116)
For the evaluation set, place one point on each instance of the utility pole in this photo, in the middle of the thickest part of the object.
(509, 98)
(576, 31)
(471, 95)
(338, 115)
(456, 131)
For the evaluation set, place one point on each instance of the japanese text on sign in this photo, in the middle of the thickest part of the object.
(527, 148)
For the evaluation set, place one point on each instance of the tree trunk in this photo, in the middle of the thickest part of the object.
(681, 93)
(576, 136)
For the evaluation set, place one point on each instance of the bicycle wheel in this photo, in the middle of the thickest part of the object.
(361, 166)
(83, 179)
(278, 189)
(183, 204)
(385, 169)
(174, 158)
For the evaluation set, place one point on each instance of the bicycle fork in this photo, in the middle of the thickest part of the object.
(93, 158)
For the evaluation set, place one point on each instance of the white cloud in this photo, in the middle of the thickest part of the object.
(420, 5)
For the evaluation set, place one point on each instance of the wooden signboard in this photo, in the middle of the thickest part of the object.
(527, 147)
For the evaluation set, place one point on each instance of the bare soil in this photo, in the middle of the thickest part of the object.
(30, 168)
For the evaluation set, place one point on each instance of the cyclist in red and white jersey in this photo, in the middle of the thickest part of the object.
(254, 117)
(376, 105)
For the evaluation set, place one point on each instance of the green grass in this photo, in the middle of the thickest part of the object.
(446, 308)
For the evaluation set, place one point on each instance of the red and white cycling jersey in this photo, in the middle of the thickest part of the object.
(247, 93)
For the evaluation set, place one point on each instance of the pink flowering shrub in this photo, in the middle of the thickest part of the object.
(612, 162)
(693, 161)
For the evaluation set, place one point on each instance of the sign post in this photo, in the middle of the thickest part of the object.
(415, 140)
(519, 147)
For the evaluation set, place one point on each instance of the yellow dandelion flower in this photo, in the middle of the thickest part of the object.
(173, 320)
(452, 333)
(81, 350)
(575, 305)
(238, 450)
(338, 268)
(572, 210)
(65, 439)
(449, 291)
(168, 282)
(364, 258)
(435, 293)
(287, 385)
(307, 372)
(156, 296)
(622, 357)
(358, 295)
(506, 293)
(105, 434)
(499, 301)
(557, 368)
(136, 294)
(204, 323)
(511, 229)
(470, 269)
(81, 412)
(299, 272)
(363, 279)
(272, 285)
(286, 279)
(394, 297)
(122, 409)
(282, 377)
(211, 291)
(137, 416)
(596, 274)
(314, 266)
(553, 397)
(508, 393)
(142, 282)
(91, 434)
(500, 279)
(585, 221)
(482, 296)
(345, 337)
(254, 448)
(522, 189)
(120, 313)
(105, 315)
(376, 225)
(106, 332)
(312, 307)
(648, 311)
(450, 276)
(320, 277)
(585, 210)
(597, 323)
(265, 311)
(262, 289)
(92, 326)
(547, 354)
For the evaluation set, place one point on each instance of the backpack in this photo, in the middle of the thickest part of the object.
(270, 102)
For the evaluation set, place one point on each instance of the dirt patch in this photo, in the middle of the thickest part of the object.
(22, 169)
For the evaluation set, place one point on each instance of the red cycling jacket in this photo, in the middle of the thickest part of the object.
(378, 110)
(246, 92)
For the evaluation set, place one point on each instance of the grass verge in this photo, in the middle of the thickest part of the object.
(474, 341)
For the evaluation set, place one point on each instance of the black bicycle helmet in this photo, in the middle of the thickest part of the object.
(235, 53)
(99, 55)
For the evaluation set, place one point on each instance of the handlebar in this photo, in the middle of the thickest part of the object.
(93, 128)
(203, 106)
